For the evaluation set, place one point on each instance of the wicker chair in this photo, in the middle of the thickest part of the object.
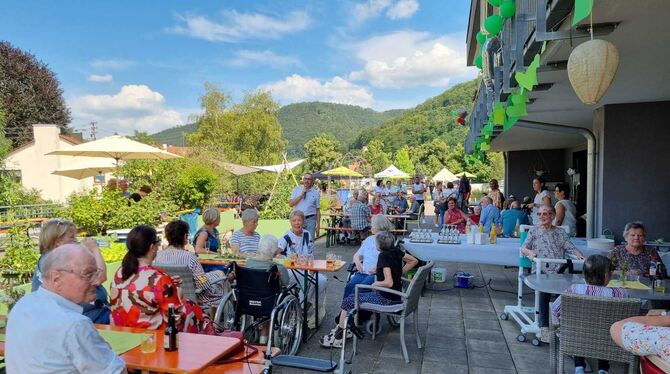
(188, 283)
(585, 329)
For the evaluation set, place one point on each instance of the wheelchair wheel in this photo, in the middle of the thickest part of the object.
(393, 320)
(224, 318)
(251, 333)
(288, 327)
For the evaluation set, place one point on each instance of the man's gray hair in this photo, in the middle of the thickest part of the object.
(487, 198)
(380, 223)
(62, 258)
(362, 197)
(267, 247)
(249, 214)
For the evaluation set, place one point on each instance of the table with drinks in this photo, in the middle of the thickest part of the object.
(636, 287)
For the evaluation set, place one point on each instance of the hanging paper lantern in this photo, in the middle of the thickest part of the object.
(478, 61)
(493, 24)
(481, 38)
(495, 3)
(507, 9)
(591, 69)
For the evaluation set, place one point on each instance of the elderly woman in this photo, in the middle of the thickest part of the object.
(547, 241)
(245, 240)
(141, 293)
(388, 273)
(366, 256)
(634, 255)
(454, 216)
(566, 212)
(376, 207)
(644, 335)
(56, 232)
(495, 194)
(210, 286)
(207, 237)
(541, 198)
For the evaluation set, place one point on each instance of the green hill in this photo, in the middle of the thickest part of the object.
(302, 121)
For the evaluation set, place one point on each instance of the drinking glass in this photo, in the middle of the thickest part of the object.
(310, 260)
(659, 285)
(148, 345)
(330, 260)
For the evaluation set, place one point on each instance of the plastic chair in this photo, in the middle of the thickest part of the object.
(410, 303)
(192, 219)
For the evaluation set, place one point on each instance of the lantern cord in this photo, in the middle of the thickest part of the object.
(591, 23)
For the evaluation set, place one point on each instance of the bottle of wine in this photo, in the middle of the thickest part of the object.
(171, 331)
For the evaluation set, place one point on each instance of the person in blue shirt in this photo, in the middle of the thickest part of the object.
(509, 218)
(490, 214)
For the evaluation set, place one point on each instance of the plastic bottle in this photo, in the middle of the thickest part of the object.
(467, 226)
(517, 229)
(493, 236)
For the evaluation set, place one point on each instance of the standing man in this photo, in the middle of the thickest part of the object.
(46, 330)
(418, 189)
(307, 199)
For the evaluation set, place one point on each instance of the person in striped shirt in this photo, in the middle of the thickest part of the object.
(245, 240)
(597, 273)
(210, 286)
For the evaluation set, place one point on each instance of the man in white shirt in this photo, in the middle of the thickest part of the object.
(308, 200)
(418, 189)
(46, 330)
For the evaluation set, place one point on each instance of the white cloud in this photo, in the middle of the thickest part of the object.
(105, 78)
(112, 64)
(297, 88)
(374, 8)
(403, 9)
(237, 26)
(410, 58)
(245, 58)
(134, 107)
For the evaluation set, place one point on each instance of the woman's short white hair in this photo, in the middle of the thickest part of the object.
(267, 248)
(380, 223)
(249, 214)
(295, 213)
(210, 215)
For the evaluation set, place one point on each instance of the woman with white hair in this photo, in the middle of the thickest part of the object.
(268, 250)
(207, 237)
(245, 240)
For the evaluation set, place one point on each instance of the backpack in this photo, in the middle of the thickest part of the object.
(289, 242)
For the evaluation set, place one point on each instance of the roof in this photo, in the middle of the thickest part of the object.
(65, 138)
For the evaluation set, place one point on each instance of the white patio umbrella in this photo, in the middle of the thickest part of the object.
(392, 172)
(117, 147)
(89, 167)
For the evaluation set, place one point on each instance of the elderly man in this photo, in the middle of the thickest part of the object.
(360, 215)
(308, 200)
(123, 186)
(46, 330)
(510, 217)
(490, 214)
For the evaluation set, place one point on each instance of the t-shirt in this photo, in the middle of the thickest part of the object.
(310, 203)
(418, 187)
(369, 252)
(450, 192)
(569, 217)
(390, 259)
(301, 245)
(245, 243)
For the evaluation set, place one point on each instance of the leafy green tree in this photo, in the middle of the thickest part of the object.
(29, 94)
(5, 144)
(143, 137)
(322, 152)
(376, 156)
(403, 162)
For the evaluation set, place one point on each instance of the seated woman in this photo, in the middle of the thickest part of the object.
(142, 293)
(299, 241)
(207, 237)
(376, 206)
(365, 258)
(474, 217)
(414, 209)
(388, 273)
(245, 240)
(644, 335)
(454, 216)
(634, 253)
(56, 232)
(268, 249)
(597, 273)
(547, 241)
(211, 286)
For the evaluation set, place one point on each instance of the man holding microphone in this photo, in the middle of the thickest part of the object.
(308, 200)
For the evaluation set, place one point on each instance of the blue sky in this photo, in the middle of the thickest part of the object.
(141, 64)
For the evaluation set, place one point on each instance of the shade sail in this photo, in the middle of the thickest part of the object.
(117, 147)
(391, 172)
(343, 172)
(445, 175)
(236, 169)
(280, 167)
(87, 167)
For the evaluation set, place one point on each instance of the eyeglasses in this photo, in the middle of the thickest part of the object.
(89, 276)
(543, 214)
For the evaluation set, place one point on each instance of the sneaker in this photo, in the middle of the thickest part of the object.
(349, 334)
(546, 335)
(579, 370)
(331, 340)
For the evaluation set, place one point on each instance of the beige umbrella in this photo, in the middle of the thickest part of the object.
(116, 147)
(90, 167)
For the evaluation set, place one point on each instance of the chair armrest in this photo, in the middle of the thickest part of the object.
(378, 288)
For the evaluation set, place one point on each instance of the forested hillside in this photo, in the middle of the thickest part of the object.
(174, 135)
(302, 121)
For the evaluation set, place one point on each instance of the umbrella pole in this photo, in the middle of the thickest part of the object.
(273, 192)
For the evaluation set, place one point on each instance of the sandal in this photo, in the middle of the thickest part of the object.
(330, 340)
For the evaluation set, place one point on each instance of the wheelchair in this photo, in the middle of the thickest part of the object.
(257, 298)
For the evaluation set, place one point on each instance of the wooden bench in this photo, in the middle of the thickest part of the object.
(331, 233)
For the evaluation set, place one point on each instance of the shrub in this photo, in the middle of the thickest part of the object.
(193, 187)
(21, 253)
(278, 208)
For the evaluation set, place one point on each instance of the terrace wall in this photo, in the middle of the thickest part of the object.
(518, 178)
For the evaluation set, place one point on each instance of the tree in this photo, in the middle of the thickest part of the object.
(321, 152)
(403, 162)
(376, 157)
(29, 93)
(143, 137)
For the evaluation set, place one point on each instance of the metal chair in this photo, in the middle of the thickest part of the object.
(410, 303)
(585, 329)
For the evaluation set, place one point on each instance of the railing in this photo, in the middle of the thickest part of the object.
(19, 212)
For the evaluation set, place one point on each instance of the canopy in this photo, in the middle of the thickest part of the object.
(445, 175)
(236, 169)
(469, 175)
(87, 167)
(117, 147)
(343, 172)
(392, 172)
(280, 167)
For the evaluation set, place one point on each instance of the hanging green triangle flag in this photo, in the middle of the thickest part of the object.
(582, 10)
(517, 110)
(528, 79)
(498, 114)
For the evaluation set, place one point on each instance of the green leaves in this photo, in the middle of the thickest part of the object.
(322, 152)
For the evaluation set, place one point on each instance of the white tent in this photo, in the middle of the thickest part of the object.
(391, 172)
(445, 175)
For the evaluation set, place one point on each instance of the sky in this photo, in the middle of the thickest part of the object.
(141, 65)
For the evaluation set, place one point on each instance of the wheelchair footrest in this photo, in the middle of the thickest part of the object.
(306, 363)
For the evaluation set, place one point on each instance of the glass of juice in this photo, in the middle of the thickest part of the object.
(148, 345)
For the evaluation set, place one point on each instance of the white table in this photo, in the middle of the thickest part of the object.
(504, 252)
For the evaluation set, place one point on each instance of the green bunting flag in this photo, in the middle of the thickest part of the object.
(582, 10)
(498, 114)
(528, 79)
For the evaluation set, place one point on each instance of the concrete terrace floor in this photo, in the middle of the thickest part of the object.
(460, 329)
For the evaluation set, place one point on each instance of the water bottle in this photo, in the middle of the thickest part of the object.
(652, 269)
